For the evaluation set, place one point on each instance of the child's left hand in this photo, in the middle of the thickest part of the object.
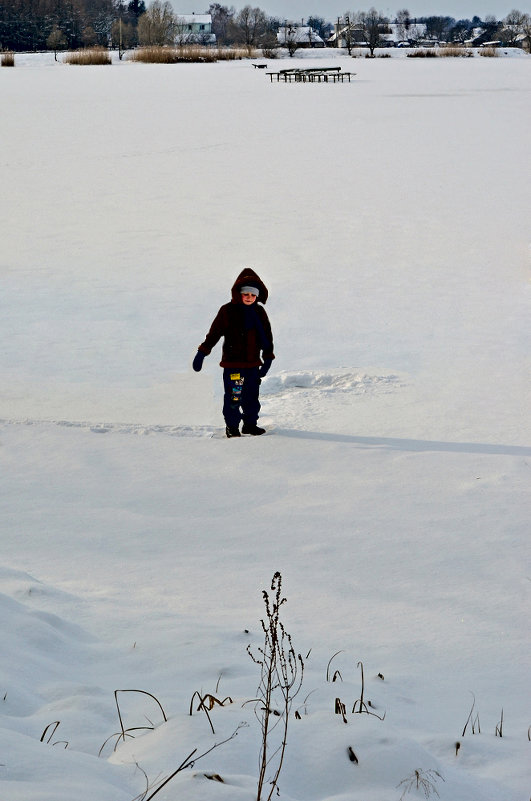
(264, 369)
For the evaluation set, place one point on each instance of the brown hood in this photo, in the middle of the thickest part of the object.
(249, 276)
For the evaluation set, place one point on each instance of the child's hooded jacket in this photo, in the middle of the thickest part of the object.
(246, 329)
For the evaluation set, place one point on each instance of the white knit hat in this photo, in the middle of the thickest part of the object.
(253, 290)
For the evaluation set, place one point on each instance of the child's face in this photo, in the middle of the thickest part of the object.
(248, 298)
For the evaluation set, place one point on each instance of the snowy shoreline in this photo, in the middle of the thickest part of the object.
(390, 219)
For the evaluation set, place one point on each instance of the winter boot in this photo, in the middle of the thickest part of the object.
(253, 429)
(232, 431)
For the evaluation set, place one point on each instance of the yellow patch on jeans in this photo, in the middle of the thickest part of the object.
(234, 376)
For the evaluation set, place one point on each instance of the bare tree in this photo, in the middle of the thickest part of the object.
(222, 17)
(89, 36)
(414, 33)
(56, 41)
(491, 25)
(349, 30)
(347, 33)
(183, 33)
(513, 26)
(403, 19)
(460, 32)
(251, 25)
(123, 35)
(318, 25)
(158, 25)
(373, 24)
(289, 38)
(439, 27)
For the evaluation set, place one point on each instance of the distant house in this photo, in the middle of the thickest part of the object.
(301, 35)
(404, 36)
(396, 35)
(479, 37)
(342, 33)
(194, 29)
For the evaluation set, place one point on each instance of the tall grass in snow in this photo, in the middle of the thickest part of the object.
(94, 55)
(431, 53)
(455, 51)
(195, 54)
(489, 52)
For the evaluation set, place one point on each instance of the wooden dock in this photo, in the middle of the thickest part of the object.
(313, 75)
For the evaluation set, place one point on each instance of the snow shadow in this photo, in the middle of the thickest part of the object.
(418, 445)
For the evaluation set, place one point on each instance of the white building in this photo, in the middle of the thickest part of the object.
(301, 35)
(194, 29)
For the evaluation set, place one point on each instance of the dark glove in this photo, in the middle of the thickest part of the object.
(264, 369)
(198, 361)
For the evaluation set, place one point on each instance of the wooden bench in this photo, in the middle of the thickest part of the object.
(322, 69)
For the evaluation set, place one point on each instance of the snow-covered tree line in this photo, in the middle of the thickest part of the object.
(55, 24)
(41, 24)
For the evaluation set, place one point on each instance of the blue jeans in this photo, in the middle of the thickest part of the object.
(240, 400)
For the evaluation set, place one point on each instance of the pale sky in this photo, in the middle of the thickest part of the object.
(330, 9)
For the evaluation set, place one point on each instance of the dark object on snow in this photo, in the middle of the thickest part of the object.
(352, 756)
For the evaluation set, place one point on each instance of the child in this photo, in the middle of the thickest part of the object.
(245, 327)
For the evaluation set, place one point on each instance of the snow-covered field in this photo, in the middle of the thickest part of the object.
(389, 218)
